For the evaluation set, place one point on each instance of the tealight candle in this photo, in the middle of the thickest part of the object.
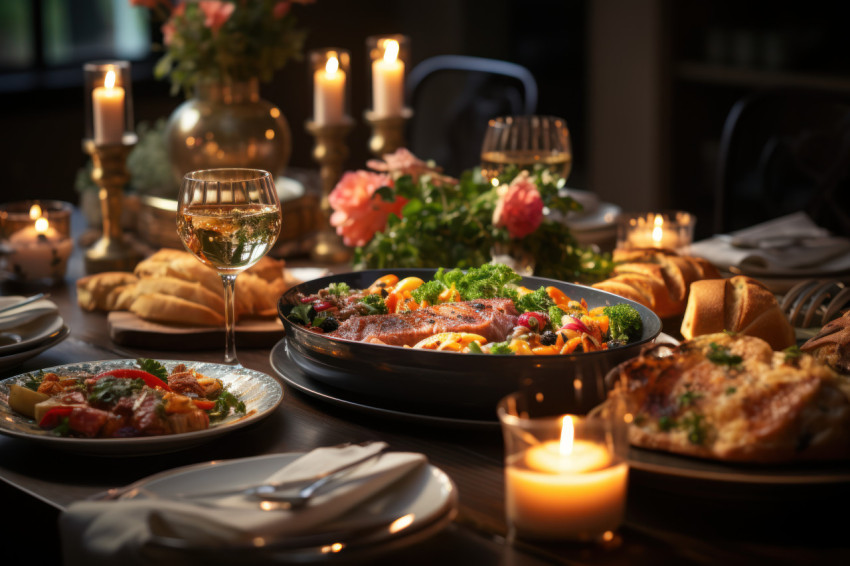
(565, 478)
(388, 80)
(670, 230)
(38, 251)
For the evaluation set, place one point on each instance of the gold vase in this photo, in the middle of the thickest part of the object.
(227, 124)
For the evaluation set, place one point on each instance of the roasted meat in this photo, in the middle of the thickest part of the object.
(733, 398)
(491, 318)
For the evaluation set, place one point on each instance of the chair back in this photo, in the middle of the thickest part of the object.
(783, 151)
(454, 96)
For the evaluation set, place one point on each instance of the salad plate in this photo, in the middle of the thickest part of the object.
(260, 392)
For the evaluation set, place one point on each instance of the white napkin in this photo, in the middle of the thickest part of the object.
(114, 532)
(814, 249)
(27, 313)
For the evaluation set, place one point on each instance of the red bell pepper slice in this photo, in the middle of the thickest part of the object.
(53, 417)
(130, 373)
(203, 404)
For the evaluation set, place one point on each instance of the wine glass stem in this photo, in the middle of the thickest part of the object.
(229, 282)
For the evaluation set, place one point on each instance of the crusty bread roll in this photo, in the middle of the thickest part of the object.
(185, 290)
(94, 292)
(657, 278)
(159, 307)
(189, 290)
(739, 304)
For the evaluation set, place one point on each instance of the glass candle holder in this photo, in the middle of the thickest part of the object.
(35, 240)
(673, 230)
(388, 56)
(108, 102)
(566, 475)
(330, 68)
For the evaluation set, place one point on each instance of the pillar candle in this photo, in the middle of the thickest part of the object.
(108, 111)
(329, 93)
(388, 82)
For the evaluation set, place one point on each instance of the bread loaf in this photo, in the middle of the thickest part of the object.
(657, 278)
(99, 291)
(740, 305)
(172, 286)
(159, 307)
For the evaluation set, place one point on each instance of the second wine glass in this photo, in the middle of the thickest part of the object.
(229, 219)
(526, 142)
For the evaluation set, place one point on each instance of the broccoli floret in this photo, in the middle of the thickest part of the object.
(536, 301)
(485, 282)
(375, 304)
(556, 313)
(501, 348)
(429, 291)
(624, 322)
(339, 289)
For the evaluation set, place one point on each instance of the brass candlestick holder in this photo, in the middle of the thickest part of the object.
(109, 172)
(330, 152)
(387, 131)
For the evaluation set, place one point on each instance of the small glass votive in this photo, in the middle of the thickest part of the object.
(387, 56)
(35, 240)
(673, 230)
(108, 102)
(330, 70)
(566, 475)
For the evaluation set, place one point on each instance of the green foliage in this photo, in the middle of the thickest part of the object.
(624, 322)
(251, 43)
(484, 282)
(375, 304)
(452, 225)
(429, 291)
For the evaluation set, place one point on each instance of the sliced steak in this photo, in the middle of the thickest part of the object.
(491, 318)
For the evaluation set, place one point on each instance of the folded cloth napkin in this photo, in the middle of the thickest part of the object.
(116, 532)
(25, 314)
(783, 245)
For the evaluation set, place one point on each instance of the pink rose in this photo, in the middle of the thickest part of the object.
(216, 13)
(358, 211)
(402, 162)
(520, 207)
(281, 9)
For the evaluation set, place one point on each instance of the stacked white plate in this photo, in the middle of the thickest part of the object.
(29, 330)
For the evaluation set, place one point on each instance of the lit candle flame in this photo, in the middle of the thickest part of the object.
(390, 50)
(35, 212)
(567, 436)
(332, 66)
(109, 81)
(41, 225)
(657, 232)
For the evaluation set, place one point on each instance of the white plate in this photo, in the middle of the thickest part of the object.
(28, 335)
(11, 360)
(260, 392)
(428, 496)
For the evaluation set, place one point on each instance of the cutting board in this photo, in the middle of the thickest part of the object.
(129, 330)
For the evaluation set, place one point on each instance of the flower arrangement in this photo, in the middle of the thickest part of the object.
(224, 40)
(406, 213)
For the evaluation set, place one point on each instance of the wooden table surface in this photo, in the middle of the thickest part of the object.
(670, 520)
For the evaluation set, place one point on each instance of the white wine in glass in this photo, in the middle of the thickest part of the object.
(526, 143)
(229, 219)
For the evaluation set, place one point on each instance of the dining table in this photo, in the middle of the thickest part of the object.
(672, 517)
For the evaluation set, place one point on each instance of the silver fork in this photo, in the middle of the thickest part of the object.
(807, 300)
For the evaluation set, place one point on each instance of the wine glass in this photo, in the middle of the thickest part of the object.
(526, 142)
(229, 219)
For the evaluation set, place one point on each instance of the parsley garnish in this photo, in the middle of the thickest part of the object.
(501, 348)
(792, 354)
(666, 424)
(33, 381)
(695, 427)
(223, 405)
(153, 367)
(688, 397)
(722, 357)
